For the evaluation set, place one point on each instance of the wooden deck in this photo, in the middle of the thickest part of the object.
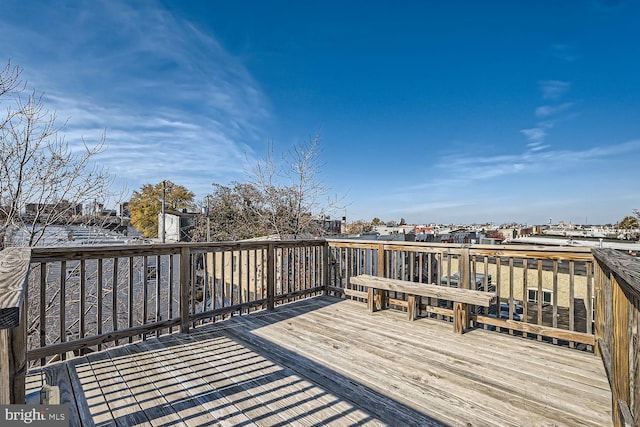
(327, 361)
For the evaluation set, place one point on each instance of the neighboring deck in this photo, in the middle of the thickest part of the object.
(326, 361)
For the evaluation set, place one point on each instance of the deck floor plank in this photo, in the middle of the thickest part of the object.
(447, 349)
(261, 389)
(147, 380)
(88, 392)
(123, 407)
(191, 389)
(325, 361)
(446, 375)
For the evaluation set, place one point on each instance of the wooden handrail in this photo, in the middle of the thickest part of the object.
(617, 320)
(14, 272)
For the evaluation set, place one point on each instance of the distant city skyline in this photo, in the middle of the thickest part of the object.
(435, 112)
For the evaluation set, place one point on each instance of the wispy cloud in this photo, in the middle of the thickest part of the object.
(535, 135)
(553, 89)
(547, 114)
(551, 110)
(465, 169)
(175, 104)
(565, 52)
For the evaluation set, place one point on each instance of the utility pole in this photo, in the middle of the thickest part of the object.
(164, 208)
(205, 212)
(208, 222)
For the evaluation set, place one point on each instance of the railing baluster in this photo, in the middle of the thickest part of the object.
(130, 294)
(572, 299)
(193, 261)
(214, 276)
(83, 296)
(223, 277)
(61, 306)
(525, 285)
(511, 292)
(114, 296)
(145, 292)
(554, 321)
(43, 309)
(158, 315)
(498, 289)
(590, 315)
(257, 273)
(539, 302)
(99, 300)
(248, 279)
(185, 279)
(239, 268)
(170, 290)
(271, 258)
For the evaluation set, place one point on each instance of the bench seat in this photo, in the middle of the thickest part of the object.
(461, 298)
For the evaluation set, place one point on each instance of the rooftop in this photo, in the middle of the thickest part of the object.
(283, 333)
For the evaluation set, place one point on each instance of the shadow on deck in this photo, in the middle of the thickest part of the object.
(327, 361)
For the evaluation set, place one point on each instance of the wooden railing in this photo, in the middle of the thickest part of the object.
(617, 319)
(83, 299)
(544, 293)
(58, 301)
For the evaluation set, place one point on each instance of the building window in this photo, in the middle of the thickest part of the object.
(533, 296)
(151, 272)
(73, 273)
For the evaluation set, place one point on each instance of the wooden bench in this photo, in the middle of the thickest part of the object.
(461, 298)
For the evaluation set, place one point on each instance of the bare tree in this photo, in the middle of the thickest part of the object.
(231, 212)
(43, 180)
(295, 198)
(358, 227)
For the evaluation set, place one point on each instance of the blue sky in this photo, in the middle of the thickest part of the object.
(428, 111)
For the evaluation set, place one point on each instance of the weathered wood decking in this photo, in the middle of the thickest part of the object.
(326, 361)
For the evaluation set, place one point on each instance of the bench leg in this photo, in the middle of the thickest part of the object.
(371, 305)
(460, 317)
(381, 299)
(411, 307)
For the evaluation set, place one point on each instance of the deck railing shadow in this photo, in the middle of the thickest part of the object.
(237, 369)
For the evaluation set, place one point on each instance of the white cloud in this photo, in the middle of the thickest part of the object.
(174, 103)
(553, 89)
(551, 110)
(463, 170)
(534, 135)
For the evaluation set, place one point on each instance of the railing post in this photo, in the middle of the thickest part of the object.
(325, 267)
(465, 269)
(13, 362)
(185, 285)
(271, 277)
(14, 275)
(620, 351)
(380, 272)
(617, 318)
